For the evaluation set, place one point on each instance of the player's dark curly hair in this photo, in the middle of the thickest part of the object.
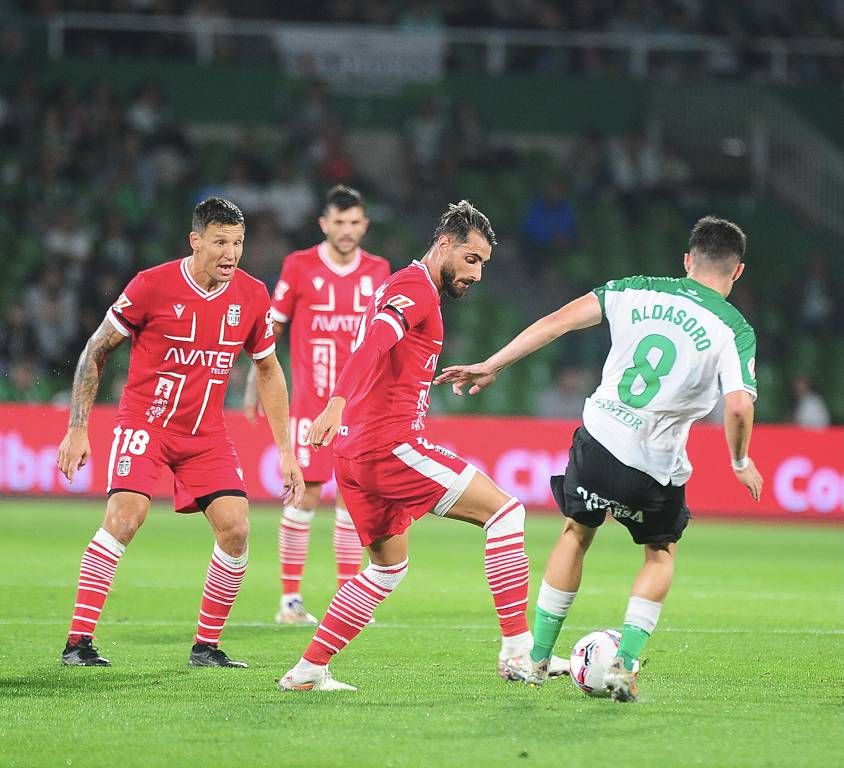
(460, 219)
(719, 241)
(343, 198)
(218, 210)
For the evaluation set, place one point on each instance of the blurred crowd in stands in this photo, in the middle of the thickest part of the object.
(94, 187)
(672, 22)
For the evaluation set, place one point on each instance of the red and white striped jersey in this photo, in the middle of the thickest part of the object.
(184, 344)
(387, 403)
(323, 302)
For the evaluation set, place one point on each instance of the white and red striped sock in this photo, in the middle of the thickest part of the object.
(225, 575)
(294, 532)
(506, 567)
(351, 609)
(347, 548)
(99, 562)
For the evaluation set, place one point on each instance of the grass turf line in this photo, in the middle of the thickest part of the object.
(745, 669)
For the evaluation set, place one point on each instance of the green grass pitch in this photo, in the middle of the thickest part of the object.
(745, 669)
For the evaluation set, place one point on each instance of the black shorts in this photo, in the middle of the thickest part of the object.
(597, 483)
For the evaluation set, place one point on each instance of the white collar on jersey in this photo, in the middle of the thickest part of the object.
(338, 269)
(417, 263)
(207, 295)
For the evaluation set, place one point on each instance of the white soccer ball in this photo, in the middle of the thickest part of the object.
(590, 658)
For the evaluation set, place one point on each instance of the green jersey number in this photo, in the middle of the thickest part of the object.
(649, 374)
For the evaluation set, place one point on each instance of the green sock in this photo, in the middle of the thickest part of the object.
(546, 630)
(633, 640)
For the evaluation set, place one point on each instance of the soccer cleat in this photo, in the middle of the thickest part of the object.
(324, 682)
(523, 669)
(83, 654)
(293, 613)
(621, 682)
(557, 667)
(206, 655)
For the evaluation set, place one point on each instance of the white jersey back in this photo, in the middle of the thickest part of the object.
(677, 346)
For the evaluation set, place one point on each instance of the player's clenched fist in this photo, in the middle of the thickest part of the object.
(73, 452)
(325, 426)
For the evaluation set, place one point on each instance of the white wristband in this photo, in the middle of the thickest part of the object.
(740, 464)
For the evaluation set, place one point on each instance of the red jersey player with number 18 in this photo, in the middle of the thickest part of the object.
(389, 473)
(321, 295)
(188, 320)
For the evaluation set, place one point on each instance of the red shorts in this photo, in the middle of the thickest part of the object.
(203, 467)
(384, 495)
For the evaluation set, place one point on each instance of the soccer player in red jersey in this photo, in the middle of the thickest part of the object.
(188, 320)
(321, 294)
(389, 473)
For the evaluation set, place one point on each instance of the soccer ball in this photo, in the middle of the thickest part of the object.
(590, 658)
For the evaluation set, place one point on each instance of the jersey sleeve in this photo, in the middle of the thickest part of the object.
(410, 301)
(284, 294)
(129, 313)
(261, 340)
(737, 363)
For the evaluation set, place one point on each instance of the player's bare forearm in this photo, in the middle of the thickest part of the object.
(580, 313)
(272, 389)
(89, 372)
(738, 423)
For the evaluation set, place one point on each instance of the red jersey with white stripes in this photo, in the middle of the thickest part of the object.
(184, 344)
(323, 302)
(388, 402)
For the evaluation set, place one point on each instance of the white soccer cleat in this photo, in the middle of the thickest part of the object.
(621, 682)
(292, 613)
(295, 681)
(523, 669)
(557, 667)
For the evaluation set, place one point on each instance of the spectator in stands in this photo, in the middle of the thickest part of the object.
(810, 410)
(589, 165)
(17, 337)
(424, 135)
(548, 229)
(563, 398)
(291, 198)
(23, 383)
(816, 303)
(146, 113)
(69, 243)
(53, 310)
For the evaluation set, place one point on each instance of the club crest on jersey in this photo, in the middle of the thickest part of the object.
(124, 465)
(178, 309)
(318, 283)
(233, 315)
(366, 286)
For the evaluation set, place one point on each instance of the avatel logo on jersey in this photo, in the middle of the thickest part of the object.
(334, 323)
(218, 360)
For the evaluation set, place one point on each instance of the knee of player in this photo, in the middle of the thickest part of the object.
(508, 518)
(387, 576)
(234, 537)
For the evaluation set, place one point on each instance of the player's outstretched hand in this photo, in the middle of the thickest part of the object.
(750, 478)
(325, 426)
(73, 452)
(479, 376)
(293, 488)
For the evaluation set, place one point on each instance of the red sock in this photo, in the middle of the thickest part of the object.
(225, 575)
(351, 609)
(347, 549)
(506, 566)
(294, 531)
(99, 562)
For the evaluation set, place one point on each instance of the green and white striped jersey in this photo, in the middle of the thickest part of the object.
(677, 346)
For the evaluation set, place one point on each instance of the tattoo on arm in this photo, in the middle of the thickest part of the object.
(89, 371)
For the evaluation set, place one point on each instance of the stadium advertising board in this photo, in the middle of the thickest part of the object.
(803, 469)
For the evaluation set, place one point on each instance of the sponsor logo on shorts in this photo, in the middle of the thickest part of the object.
(124, 465)
(303, 457)
(619, 511)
